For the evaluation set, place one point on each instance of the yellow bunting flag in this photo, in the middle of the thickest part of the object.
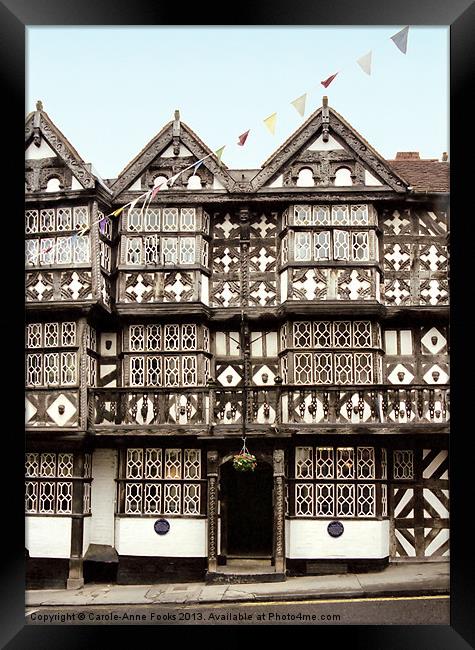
(117, 212)
(299, 104)
(270, 122)
(219, 153)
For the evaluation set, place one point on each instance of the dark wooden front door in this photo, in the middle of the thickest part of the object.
(246, 506)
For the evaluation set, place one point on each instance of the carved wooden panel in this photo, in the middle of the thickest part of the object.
(151, 287)
(42, 286)
(226, 266)
(415, 257)
(59, 408)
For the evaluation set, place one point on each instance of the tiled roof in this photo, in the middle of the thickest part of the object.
(424, 175)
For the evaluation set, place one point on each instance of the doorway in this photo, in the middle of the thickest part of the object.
(246, 511)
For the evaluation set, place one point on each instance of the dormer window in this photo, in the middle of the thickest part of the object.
(305, 178)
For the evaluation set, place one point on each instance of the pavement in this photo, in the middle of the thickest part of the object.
(410, 579)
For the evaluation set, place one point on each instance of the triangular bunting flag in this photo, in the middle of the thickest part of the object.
(219, 153)
(400, 39)
(299, 104)
(270, 122)
(102, 224)
(156, 190)
(117, 212)
(196, 166)
(365, 63)
(328, 81)
(242, 138)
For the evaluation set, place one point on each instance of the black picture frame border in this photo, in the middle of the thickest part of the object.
(15, 16)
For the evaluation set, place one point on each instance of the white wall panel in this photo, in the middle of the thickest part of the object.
(136, 536)
(104, 473)
(48, 536)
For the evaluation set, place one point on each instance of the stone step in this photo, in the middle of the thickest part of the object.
(232, 578)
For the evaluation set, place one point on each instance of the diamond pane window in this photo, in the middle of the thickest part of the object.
(403, 464)
(153, 498)
(152, 249)
(323, 372)
(192, 464)
(303, 334)
(152, 219)
(322, 334)
(363, 368)
(341, 245)
(345, 463)
(366, 500)
(321, 215)
(304, 462)
(51, 335)
(384, 499)
(133, 498)
(172, 370)
(153, 463)
(303, 368)
(170, 250)
(303, 215)
(365, 462)
(64, 219)
(189, 371)
(325, 500)
(31, 497)
(322, 245)
(32, 248)
(362, 334)
(342, 334)
(302, 246)
(33, 335)
(134, 250)
(64, 251)
(188, 219)
(68, 333)
(187, 250)
(31, 221)
(68, 368)
(47, 251)
(47, 497)
(134, 463)
(359, 215)
(34, 369)
(284, 250)
(324, 462)
(304, 499)
(81, 217)
(360, 246)
(47, 221)
(173, 463)
(206, 339)
(172, 499)
(191, 499)
(81, 248)
(340, 215)
(32, 465)
(172, 337)
(170, 219)
(343, 368)
(137, 371)
(51, 369)
(64, 498)
(384, 464)
(345, 500)
(136, 337)
(154, 337)
(154, 371)
(48, 464)
(134, 223)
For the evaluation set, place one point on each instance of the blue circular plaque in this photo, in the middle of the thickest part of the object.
(335, 528)
(161, 526)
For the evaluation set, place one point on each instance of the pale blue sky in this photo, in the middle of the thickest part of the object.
(111, 89)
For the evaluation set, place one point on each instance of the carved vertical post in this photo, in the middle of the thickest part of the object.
(279, 511)
(75, 575)
(83, 406)
(212, 472)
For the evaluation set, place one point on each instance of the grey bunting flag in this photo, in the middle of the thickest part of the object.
(400, 39)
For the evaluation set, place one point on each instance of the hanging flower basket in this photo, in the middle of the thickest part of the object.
(244, 462)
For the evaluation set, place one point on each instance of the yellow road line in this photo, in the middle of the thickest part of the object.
(318, 600)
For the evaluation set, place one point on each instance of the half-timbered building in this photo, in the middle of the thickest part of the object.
(302, 306)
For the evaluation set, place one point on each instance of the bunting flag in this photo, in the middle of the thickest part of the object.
(196, 166)
(102, 224)
(328, 81)
(219, 153)
(117, 212)
(270, 122)
(299, 104)
(242, 138)
(400, 39)
(365, 62)
(171, 180)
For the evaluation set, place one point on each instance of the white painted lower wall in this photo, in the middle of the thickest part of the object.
(187, 537)
(309, 539)
(86, 536)
(48, 536)
(103, 490)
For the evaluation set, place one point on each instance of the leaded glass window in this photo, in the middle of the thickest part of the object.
(302, 246)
